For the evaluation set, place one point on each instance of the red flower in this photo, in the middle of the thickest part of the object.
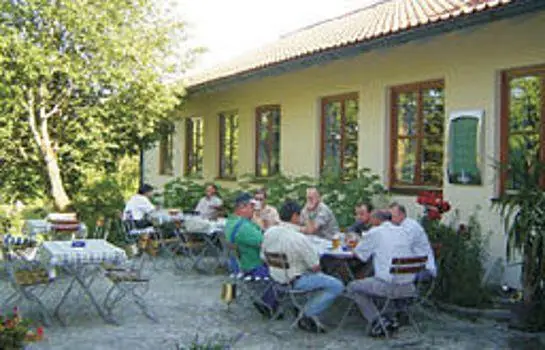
(434, 214)
(445, 206)
(40, 331)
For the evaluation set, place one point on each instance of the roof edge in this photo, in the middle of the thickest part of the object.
(388, 41)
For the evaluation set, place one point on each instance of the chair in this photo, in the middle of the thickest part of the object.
(64, 226)
(246, 287)
(29, 279)
(128, 282)
(288, 297)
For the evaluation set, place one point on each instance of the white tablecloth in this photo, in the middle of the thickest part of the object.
(196, 224)
(96, 251)
(34, 227)
(324, 247)
(163, 216)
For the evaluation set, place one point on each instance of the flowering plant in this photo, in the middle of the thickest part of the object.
(434, 204)
(15, 331)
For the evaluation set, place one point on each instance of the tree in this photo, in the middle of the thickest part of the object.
(83, 83)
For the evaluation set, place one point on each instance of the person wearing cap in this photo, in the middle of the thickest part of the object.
(210, 205)
(304, 271)
(383, 242)
(317, 218)
(139, 207)
(265, 215)
(247, 236)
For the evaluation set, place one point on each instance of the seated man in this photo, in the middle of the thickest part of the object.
(210, 205)
(363, 217)
(382, 243)
(264, 215)
(304, 265)
(247, 236)
(139, 206)
(420, 243)
(317, 218)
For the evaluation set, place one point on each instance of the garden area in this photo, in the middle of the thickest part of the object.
(84, 94)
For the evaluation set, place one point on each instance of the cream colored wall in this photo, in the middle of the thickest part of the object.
(469, 61)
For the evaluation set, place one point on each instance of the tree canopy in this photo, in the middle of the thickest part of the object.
(83, 84)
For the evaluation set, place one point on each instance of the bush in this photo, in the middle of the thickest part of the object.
(341, 196)
(460, 264)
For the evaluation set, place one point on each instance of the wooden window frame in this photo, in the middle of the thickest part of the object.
(394, 92)
(189, 146)
(505, 101)
(221, 141)
(324, 102)
(258, 112)
(166, 141)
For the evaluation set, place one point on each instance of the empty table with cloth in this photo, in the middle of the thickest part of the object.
(81, 260)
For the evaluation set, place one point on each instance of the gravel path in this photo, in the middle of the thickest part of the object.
(188, 304)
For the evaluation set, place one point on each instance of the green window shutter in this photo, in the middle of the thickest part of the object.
(465, 148)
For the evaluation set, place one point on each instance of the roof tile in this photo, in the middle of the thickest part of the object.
(366, 24)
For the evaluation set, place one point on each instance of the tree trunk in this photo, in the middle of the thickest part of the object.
(57, 187)
(43, 141)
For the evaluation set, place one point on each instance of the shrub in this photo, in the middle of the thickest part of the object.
(460, 264)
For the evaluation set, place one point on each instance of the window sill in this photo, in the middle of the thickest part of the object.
(413, 191)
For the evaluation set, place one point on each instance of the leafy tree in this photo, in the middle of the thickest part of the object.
(83, 84)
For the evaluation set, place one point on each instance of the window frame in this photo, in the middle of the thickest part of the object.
(342, 98)
(189, 147)
(258, 112)
(221, 141)
(394, 91)
(505, 103)
(166, 140)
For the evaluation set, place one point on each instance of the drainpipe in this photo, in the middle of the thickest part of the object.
(141, 166)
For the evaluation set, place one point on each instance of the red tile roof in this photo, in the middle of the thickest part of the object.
(369, 23)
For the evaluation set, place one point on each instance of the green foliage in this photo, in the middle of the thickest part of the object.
(341, 196)
(460, 263)
(13, 330)
(215, 342)
(82, 89)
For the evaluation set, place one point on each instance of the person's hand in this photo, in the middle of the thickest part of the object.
(316, 268)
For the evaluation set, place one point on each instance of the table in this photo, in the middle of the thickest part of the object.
(339, 262)
(42, 226)
(76, 262)
(197, 229)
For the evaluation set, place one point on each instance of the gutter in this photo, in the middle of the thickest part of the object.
(513, 9)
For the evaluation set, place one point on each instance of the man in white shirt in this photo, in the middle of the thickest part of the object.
(304, 265)
(382, 243)
(420, 243)
(210, 205)
(139, 206)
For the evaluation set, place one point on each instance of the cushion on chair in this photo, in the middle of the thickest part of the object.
(32, 277)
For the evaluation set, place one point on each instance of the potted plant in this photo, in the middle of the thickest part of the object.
(523, 211)
(15, 331)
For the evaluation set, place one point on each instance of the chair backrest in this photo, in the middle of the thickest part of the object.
(408, 265)
(278, 260)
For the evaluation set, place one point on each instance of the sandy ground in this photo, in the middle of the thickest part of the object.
(189, 305)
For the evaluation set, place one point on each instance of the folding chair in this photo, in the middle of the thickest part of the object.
(288, 297)
(128, 282)
(64, 226)
(29, 279)
(246, 287)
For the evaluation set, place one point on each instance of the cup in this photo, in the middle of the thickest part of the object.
(336, 242)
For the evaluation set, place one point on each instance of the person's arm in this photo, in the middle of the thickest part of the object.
(365, 249)
(147, 206)
(249, 235)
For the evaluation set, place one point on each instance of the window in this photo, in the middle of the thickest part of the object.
(228, 145)
(267, 152)
(166, 159)
(417, 135)
(339, 147)
(194, 146)
(522, 119)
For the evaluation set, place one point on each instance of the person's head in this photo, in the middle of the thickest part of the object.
(363, 212)
(261, 196)
(313, 198)
(398, 213)
(146, 190)
(211, 190)
(379, 216)
(290, 211)
(244, 205)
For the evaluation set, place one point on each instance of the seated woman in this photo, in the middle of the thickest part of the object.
(264, 215)
(139, 207)
(211, 204)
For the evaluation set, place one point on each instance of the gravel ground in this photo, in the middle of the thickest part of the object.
(188, 304)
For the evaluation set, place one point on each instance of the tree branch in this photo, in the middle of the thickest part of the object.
(32, 119)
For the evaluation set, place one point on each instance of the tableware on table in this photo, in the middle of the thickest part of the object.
(336, 241)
